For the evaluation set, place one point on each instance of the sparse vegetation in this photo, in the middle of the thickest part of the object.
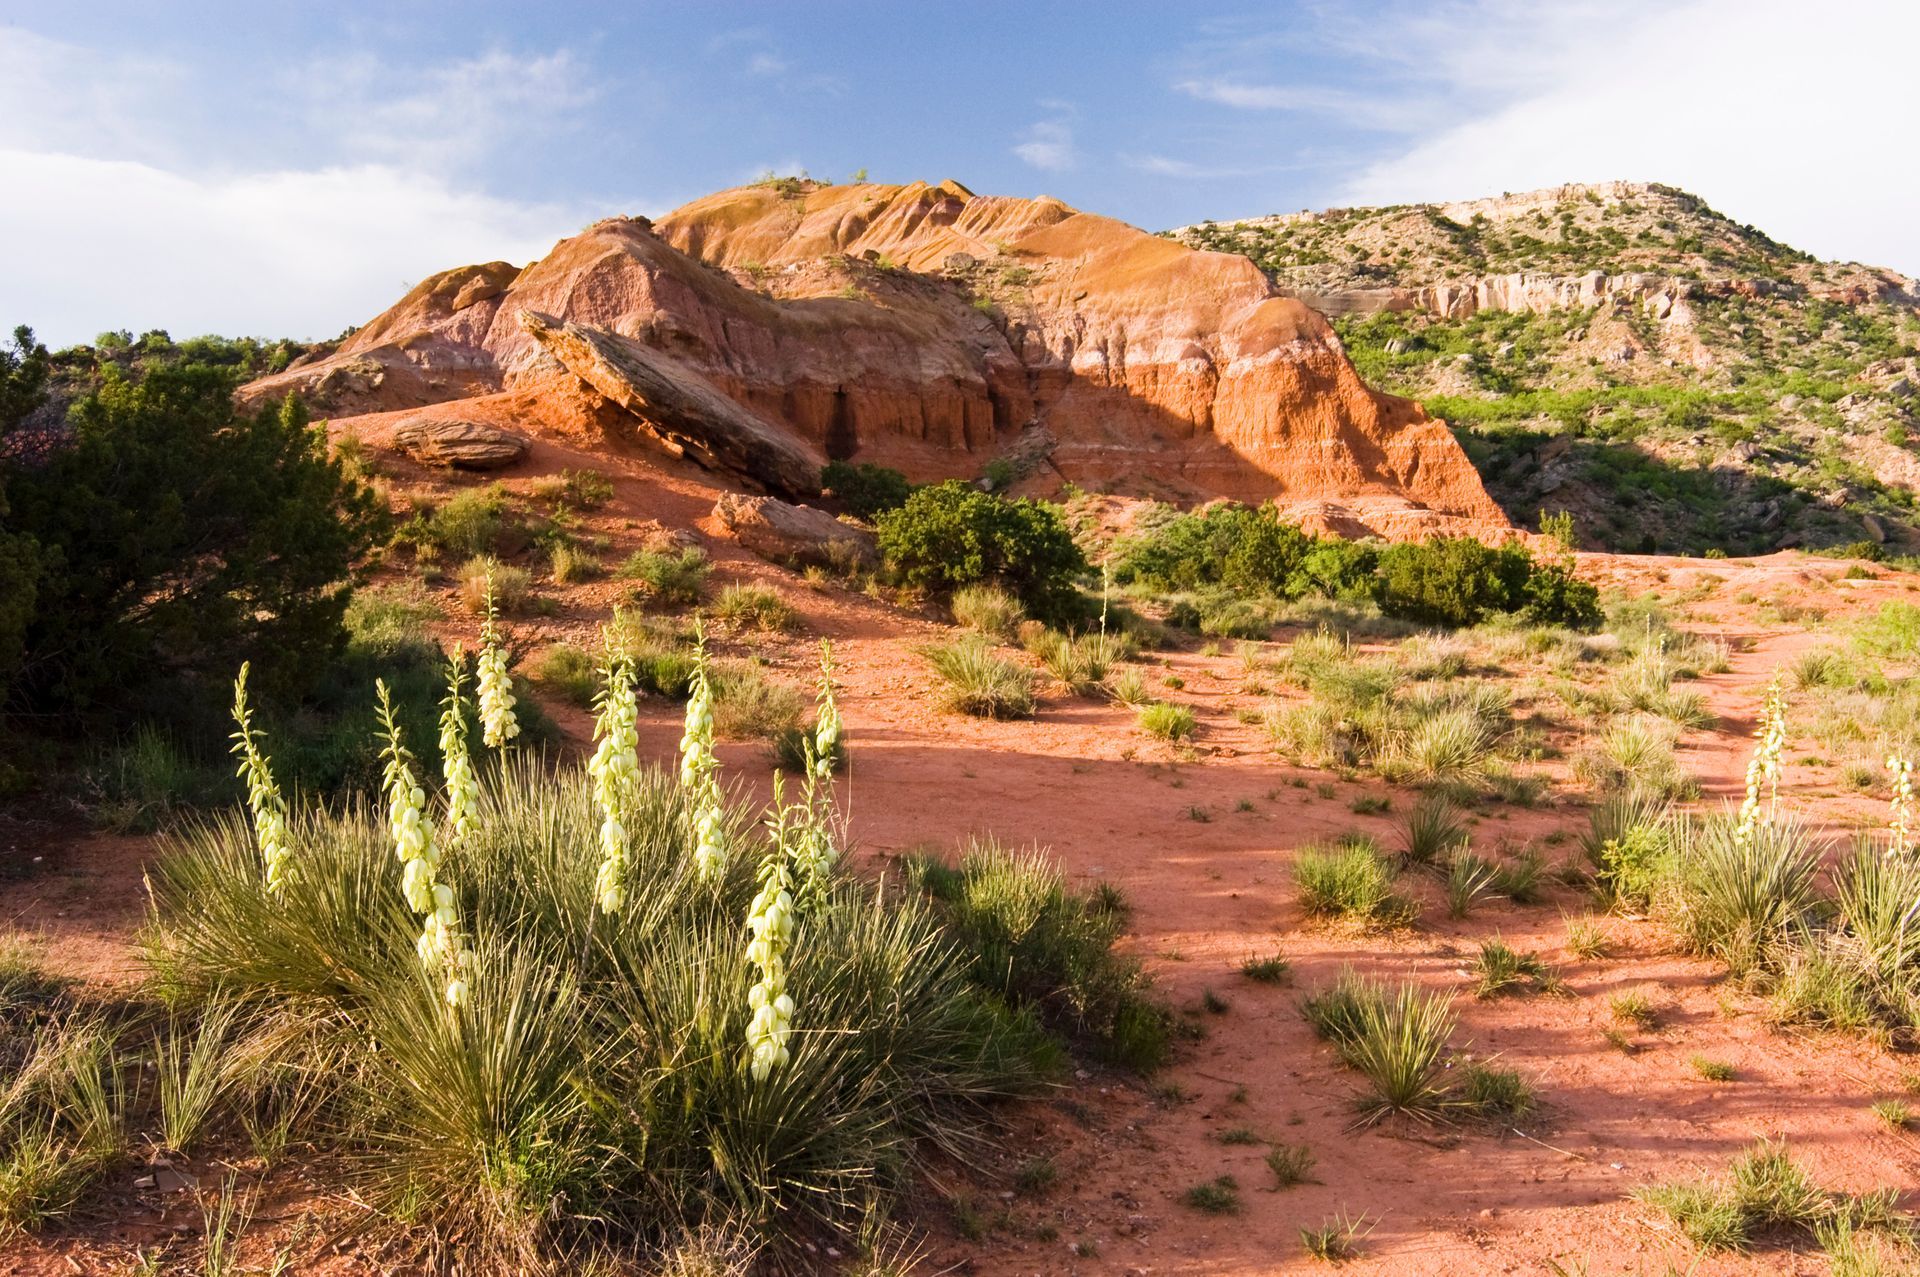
(981, 682)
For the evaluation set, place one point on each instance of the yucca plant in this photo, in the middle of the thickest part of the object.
(1350, 879)
(980, 681)
(1433, 830)
(1396, 1042)
(1743, 887)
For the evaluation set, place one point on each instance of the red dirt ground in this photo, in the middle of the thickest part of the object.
(1112, 804)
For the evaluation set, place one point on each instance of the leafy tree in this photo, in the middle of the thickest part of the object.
(175, 534)
(24, 368)
(868, 490)
(951, 534)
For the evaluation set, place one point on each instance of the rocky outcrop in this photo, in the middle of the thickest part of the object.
(787, 533)
(763, 330)
(677, 406)
(459, 445)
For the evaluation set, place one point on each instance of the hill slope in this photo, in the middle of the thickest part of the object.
(925, 328)
(1675, 379)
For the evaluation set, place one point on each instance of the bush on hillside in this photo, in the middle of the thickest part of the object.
(949, 535)
(867, 490)
(160, 531)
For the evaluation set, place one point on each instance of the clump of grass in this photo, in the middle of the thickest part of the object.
(1291, 1164)
(1081, 662)
(1394, 1038)
(988, 610)
(1586, 939)
(1496, 1094)
(1765, 1189)
(1896, 1114)
(1635, 1007)
(1336, 1239)
(1219, 1196)
(570, 564)
(1469, 878)
(748, 706)
(1165, 720)
(669, 577)
(510, 584)
(1130, 689)
(1504, 970)
(1351, 880)
(981, 682)
(1635, 754)
(1039, 945)
(1433, 830)
(1519, 878)
(754, 606)
(1274, 970)
(1238, 1135)
(1711, 1070)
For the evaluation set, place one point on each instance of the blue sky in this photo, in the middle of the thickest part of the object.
(287, 168)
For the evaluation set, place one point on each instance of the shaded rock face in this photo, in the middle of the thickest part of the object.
(787, 533)
(761, 331)
(459, 445)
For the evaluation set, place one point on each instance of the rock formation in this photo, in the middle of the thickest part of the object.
(786, 533)
(459, 445)
(762, 330)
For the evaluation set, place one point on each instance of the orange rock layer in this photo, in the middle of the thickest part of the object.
(930, 329)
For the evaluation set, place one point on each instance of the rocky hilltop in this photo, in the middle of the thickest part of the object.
(764, 330)
(1620, 350)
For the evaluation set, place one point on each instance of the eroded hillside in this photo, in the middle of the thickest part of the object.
(1622, 351)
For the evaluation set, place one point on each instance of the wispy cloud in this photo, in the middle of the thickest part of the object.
(754, 51)
(1171, 166)
(1049, 144)
(1381, 112)
(450, 116)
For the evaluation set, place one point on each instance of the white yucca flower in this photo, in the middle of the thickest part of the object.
(497, 722)
(439, 946)
(463, 785)
(698, 768)
(269, 810)
(1763, 769)
(770, 931)
(615, 769)
(1900, 814)
(814, 849)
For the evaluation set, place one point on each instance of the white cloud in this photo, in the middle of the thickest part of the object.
(1774, 111)
(1049, 146)
(1384, 113)
(63, 97)
(448, 117)
(121, 244)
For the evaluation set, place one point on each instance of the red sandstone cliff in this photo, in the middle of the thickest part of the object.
(765, 328)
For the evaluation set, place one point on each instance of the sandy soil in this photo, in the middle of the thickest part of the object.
(1202, 842)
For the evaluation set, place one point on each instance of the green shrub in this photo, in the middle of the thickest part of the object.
(166, 536)
(1458, 581)
(950, 535)
(570, 673)
(1245, 548)
(747, 706)
(571, 564)
(475, 521)
(980, 681)
(866, 490)
(674, 578)
(1038, 944)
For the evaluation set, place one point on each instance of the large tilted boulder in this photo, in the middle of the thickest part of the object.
(787, 533)
(459, 445)
(679, 406)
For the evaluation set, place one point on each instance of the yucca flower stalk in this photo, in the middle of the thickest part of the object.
(439, 946)
(1900, 807)
(615, 769)
(269, 809)
(456, 765)
(497, 722)
(699, 767)
(814, 847)
(1763, 769)
(770, 926)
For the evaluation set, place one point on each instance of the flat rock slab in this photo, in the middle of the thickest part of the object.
(460, 445)
(788, 533)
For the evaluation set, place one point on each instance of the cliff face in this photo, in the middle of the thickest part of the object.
(930, 329)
